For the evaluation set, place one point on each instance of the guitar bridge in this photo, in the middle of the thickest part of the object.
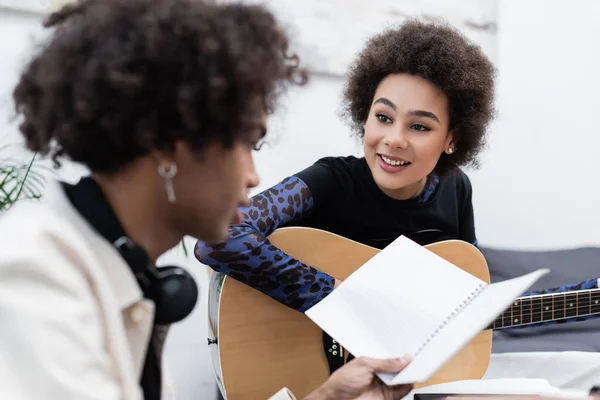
(334, 353)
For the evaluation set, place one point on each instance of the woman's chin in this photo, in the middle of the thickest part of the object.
(387, 184)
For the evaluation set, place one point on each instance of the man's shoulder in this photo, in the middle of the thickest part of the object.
(29, 223)
(35, 233)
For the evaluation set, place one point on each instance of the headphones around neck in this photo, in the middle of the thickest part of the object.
(172, 289)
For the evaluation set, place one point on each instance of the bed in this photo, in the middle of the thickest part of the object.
(567, 355)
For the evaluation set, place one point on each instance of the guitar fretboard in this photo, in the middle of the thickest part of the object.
(549, 307)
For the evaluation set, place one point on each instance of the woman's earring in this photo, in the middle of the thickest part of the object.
(168, 171)
(450, 150)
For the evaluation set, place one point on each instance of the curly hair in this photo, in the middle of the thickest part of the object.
(443, 56)
(120, 78)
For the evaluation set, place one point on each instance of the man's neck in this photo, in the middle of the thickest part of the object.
(136, 205)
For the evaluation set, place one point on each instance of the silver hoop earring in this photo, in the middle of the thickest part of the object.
(167, 173)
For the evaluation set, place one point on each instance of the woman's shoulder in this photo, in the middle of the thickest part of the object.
(340, 163)
(330, 175)
(333, 167)
(457, 178)
(458, 183)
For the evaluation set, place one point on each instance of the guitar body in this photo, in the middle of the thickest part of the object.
(264, 345)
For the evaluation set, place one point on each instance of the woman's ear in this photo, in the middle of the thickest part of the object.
(449, 146)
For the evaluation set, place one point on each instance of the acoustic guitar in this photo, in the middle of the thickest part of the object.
(259, 345)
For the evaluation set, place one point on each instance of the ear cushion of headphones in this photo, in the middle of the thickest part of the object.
(176, 294)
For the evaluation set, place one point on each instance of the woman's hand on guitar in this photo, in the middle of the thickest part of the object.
(357, 380)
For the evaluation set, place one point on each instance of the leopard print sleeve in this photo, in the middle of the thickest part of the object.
(591, 284)
(250, 258)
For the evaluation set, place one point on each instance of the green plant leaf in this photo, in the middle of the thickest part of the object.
(184, 247)
(20, 180)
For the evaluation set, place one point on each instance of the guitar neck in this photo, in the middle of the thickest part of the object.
(551, 307)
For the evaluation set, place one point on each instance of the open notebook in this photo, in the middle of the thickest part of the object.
(408, 300)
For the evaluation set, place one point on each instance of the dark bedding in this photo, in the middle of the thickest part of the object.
(567, 266)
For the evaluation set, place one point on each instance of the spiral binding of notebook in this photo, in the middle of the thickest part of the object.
(458, 309)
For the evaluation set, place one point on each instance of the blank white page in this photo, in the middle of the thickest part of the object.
(475, 317)
(390, 305)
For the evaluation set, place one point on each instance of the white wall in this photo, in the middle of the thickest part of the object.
(18, 34)
(328, 33)
(538, 185)
(16, 30)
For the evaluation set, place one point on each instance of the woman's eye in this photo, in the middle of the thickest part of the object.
(383, 118)
(420, 127)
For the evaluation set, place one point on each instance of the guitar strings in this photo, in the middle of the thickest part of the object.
(511, 318)
(576, 293)
(555, 302)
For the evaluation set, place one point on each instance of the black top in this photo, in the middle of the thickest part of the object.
(348, 202)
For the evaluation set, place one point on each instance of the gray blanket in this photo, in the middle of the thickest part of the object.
(567, 266)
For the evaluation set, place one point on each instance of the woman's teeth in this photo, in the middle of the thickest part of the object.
(393, 162)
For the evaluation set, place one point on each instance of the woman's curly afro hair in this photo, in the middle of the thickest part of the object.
(440, 54)
(118, 79)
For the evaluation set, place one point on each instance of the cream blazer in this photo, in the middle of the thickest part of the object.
(73, 320)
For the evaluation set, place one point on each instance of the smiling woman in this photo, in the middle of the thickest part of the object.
(421, 97)
(404, 136)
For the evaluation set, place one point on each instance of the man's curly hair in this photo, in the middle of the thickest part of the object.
(120, 78)
(440, 54)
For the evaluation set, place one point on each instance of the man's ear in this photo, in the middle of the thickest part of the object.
(183, 153)
(165, 154)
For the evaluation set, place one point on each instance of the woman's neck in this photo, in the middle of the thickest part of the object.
(135, 202)
(408, 192)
